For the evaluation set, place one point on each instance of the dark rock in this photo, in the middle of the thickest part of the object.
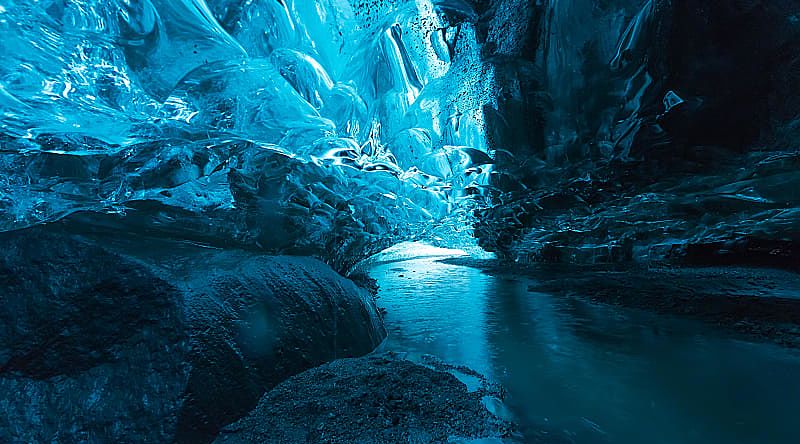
(108, 340)
(372, 400)
(259, 320)
(746, 251)
(666, 122)
(93, 346)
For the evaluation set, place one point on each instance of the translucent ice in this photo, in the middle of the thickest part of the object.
(324, 127)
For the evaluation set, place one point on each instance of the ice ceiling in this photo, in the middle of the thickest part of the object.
(327, 127)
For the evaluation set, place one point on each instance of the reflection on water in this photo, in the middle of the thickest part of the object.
(578, 372)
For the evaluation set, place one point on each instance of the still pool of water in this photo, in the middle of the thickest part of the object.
(580, 372)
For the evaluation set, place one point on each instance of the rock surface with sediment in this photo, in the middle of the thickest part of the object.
(372, 400)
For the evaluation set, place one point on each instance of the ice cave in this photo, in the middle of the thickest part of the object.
(400, 221)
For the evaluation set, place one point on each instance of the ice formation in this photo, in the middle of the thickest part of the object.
(563, 130)
(325, 127)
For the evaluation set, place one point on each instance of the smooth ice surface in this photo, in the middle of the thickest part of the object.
(584, 373)
(303, 126)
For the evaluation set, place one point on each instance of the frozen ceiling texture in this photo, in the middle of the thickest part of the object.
(561, 130)
(328, 127)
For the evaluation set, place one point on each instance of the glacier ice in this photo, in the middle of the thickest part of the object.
(338, 127)
(324, 127)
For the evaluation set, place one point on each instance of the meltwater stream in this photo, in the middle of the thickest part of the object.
(584, 373)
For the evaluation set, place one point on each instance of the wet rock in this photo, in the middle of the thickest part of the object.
(107, 340)
(371, 400)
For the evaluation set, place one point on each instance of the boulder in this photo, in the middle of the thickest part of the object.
(104, 339)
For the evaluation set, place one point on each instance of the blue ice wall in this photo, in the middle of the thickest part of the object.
(321, 127)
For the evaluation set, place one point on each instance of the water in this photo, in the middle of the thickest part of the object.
(578, 372)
